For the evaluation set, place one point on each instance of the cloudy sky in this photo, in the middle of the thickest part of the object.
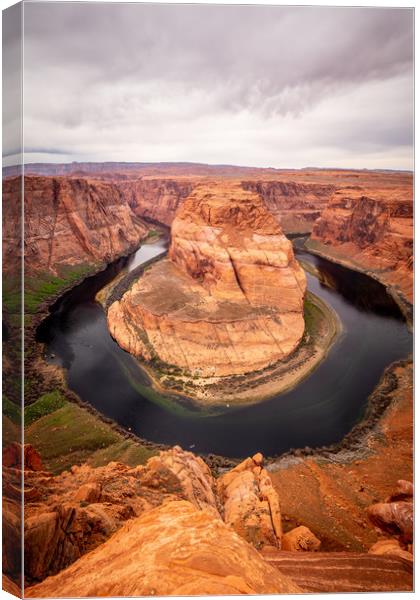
(248, 85)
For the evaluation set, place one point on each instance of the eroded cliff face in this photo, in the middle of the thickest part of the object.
(229, 299)
(296, 205)
(373, 229)
(156, 199)
(71, 221)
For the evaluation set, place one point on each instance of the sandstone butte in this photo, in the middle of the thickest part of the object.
(370, 229)
(227, 301)
(170, 528)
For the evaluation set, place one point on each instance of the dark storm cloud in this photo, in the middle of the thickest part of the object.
(218, 83)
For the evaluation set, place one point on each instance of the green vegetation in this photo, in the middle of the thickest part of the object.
(44, 286)
(68, 436)
(313, 316)
(12, 294)
(321, 321)
(11, 410)
(71, 435)
(45, 405)
(153, 233)
(38, 289)
(125, 451)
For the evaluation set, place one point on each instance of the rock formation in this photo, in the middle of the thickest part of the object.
(390, 547)
(172, 550)
(371, 229)
(395, 516)
(156, 199)
(72, 513)
(300, 539)
(230, 298)
(251, 506)
(181, 530)
(340, 572)
(296, 205)
(69, 221)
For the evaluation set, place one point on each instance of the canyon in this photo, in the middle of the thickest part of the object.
(229, 298)
(197, 525)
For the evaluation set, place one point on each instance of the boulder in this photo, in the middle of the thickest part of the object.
(395, 518)
(300, 539)
(390, 548)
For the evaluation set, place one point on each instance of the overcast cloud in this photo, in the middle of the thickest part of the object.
(249, 85)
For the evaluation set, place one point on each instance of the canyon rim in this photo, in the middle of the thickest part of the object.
(207, 367)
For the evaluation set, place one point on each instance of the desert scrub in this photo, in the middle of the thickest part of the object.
(45, 405)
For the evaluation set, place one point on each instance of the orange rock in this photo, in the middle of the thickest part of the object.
(404, 491)
(74, 512)
(88, 492)
(371, 228)
(13, 456)
(300, 539)
(229, 300)
(156, 198)
(251, 505)
(390, 548)
(224, 237)
(173, 550)
(295, 205)
(11, 587)
(333, 572)
(184, 474)
(393, 517)
(69, 221)
(32, 458)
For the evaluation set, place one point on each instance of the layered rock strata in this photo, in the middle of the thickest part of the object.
(296, 205)
(172, 550)
(156, 199)
(371, 229)
(342, 572)
(69, 221)
(229, 299)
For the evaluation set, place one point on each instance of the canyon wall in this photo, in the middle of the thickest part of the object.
(87, 212)
(70, 221)
(230, 298)
(295, 205)
(371, 229)
(156, 199)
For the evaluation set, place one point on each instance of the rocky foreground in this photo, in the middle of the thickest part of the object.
(227, 301)
(171, 528)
